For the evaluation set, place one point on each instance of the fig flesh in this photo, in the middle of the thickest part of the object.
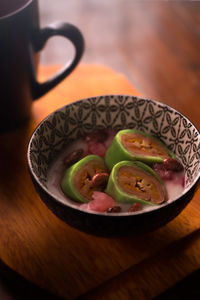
(129, 144)
(81, 180)
(131, 182)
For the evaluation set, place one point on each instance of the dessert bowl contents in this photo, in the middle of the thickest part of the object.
(70, 134)
(84, 177)
(137, 173)
(132, 144)
(132, 182)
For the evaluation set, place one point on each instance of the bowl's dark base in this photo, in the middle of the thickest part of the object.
(116, 226)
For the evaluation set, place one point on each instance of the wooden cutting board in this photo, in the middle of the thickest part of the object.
(69, 263)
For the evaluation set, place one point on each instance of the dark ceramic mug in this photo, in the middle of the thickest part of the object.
(21, 39)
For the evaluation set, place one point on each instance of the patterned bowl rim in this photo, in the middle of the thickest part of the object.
(73, 206)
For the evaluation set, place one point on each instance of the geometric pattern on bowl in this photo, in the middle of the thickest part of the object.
(116, 112)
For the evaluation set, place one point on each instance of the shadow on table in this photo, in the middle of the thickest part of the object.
(188, 288)
(15, 287)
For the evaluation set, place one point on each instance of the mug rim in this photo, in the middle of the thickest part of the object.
(17, 11)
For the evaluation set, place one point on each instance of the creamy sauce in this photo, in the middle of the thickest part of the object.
(57, 169)
(174, 187)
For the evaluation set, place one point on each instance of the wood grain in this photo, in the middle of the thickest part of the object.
(156, 46)
(48, 252)
(146, 280)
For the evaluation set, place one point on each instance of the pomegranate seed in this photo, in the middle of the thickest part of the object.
(100, 179)
(73, 157)
(135, 207)
(99, 136)
(114, 209)
(172, 164)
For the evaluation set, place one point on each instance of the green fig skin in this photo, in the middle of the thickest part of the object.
(117, 152)
(67, 183)
(114, 190)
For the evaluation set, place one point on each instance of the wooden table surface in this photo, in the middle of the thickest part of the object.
(155, 44)
(70, 264)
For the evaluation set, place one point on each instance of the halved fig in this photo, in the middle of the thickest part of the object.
(130, 144)
(131, 182)
(80, 180)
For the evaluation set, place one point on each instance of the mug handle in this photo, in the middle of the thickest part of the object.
(57, 29)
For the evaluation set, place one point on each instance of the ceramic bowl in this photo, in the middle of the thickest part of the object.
(72, 121)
